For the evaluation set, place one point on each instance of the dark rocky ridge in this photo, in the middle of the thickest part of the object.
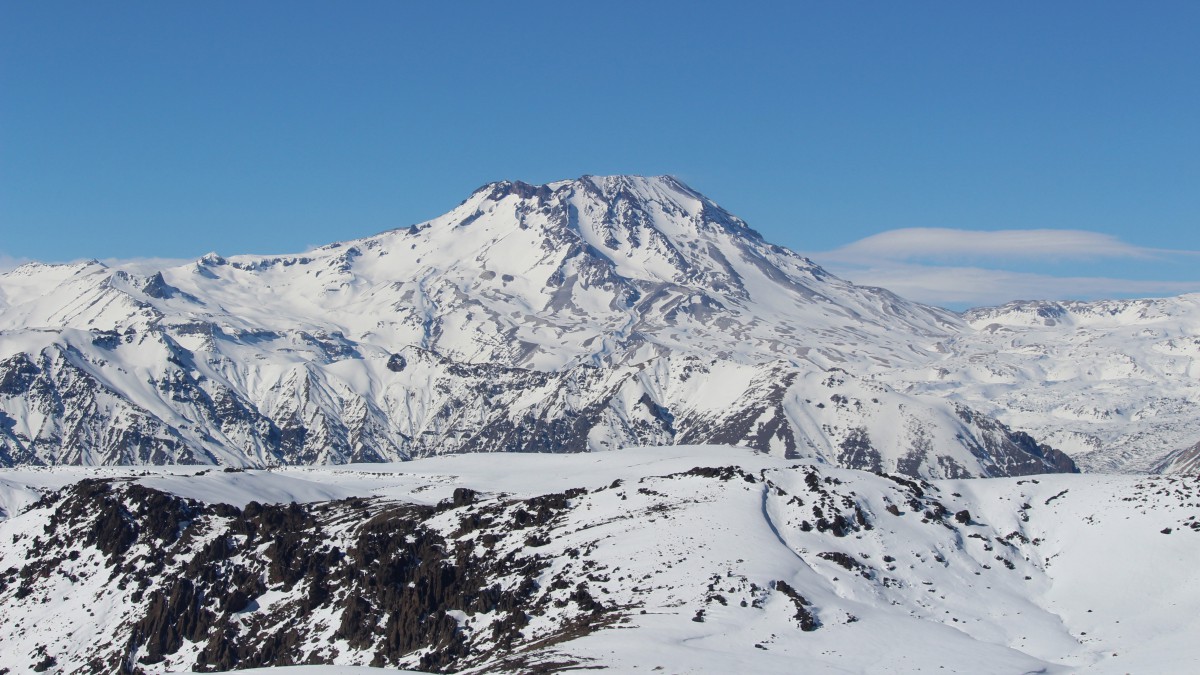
(490, 583)
(371, 575)
(1185, 460)
(194, 573)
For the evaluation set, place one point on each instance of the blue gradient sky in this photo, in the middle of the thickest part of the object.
(171, 129)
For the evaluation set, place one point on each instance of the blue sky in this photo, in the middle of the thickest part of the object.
(132, 130)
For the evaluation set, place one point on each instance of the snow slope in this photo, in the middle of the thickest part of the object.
(1115, 384)
(688, 558)
(591, 314)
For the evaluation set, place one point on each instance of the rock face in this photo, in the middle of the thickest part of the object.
(701, 559)
(581, 315)
(1186, 460)
(373, 577)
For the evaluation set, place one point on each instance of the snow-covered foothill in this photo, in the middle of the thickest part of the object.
(687, 558)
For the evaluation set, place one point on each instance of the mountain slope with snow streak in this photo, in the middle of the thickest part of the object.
(692, 559)
(581, 315)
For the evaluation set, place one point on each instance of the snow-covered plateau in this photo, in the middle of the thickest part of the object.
(675, 559)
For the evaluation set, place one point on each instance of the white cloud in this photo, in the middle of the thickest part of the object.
(963, 268)
(135, 265)
(937, 243)
(145, 265)
(963, 287)
(8, 262)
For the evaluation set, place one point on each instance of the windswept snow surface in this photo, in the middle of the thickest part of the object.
(693, 558)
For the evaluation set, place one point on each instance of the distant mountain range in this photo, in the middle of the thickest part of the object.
(581, 315)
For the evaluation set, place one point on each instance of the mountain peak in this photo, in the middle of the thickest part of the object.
(619, 181)
(609, 204)
(628, 186)
(627, 179)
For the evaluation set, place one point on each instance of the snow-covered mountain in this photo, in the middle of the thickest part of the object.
(580, 315)
(1115, 384)
(805, 501)
(679, 559)
(593, 271)
(1185, 460)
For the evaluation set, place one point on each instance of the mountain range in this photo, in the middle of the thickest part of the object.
(580, 315)
(593, 424)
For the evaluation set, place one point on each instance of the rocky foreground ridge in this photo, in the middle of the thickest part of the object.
(697, 559)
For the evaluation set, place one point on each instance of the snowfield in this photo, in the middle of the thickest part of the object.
(688, 558)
